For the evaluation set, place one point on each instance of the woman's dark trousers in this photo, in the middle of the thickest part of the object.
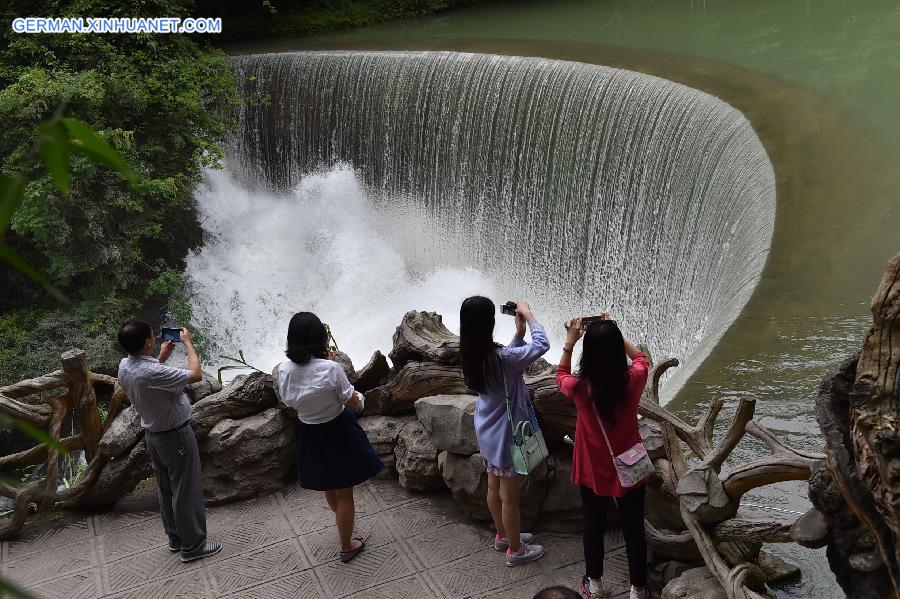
(631, 512)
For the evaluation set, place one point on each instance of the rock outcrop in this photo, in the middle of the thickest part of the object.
(449, 421)
(417, 459)
(248, 456)
(383, 432)
(123, 433)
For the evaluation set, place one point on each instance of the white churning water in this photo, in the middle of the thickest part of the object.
(360, 185)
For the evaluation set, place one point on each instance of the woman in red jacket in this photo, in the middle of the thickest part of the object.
(607, 389)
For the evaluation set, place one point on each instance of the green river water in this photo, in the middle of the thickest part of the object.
(820, 82)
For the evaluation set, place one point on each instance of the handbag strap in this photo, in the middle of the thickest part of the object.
(506, 394)
(602, 428)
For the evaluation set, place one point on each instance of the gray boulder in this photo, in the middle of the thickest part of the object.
(383, 432)
(247, 394)
(345, 361)
(205, 387)
(247, 457)
(696, 583)
(561, 509)
(467, 480)
(449, 421)
(119, 477)
(417, 459)
(124, 432)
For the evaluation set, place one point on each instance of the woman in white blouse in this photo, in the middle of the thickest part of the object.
(333, 452)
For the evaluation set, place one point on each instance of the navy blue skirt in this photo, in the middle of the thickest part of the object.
(335, 454)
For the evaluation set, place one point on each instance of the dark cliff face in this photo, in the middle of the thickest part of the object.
(853, 552)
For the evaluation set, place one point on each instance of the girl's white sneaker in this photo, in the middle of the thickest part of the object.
(642, 594)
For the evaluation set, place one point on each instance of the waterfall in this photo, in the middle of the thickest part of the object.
(365, 184)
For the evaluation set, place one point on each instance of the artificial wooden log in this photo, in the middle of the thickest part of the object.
(373, 374)
(37, 454)
(24, 496)
(875, 412)
(655, 376)
(760, 473)
(104, 386)
(742, 418)
(753, 530)
(414, 381)
(743, 582)
(84, 400)
(38, 415)
(61, 405)
(48, 382)
(734, 529)
(69, 497)
(786, 463)
(684, 431)
(422, 337)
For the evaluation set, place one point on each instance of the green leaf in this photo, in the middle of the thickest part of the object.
(219, 373)
(95, 147)
(8, 255)
(56, 149)
(241, 353)
(35, 433)
(10, 589)
(11, 187)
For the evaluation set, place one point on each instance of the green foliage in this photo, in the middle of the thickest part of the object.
(240, 364)
(31, 340)
(158, 100)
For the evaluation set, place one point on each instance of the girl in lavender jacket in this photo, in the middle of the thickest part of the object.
(485, 366)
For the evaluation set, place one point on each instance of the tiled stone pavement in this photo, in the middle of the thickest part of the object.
(284, 545)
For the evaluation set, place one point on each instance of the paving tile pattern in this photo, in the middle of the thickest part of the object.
(285, 545)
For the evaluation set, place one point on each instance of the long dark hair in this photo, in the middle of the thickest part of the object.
(306, 338)
(476, 342)
(604, 366)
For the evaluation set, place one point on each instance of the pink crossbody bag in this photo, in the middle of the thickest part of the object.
(633, 465)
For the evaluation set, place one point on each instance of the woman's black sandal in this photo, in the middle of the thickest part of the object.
(346, 556)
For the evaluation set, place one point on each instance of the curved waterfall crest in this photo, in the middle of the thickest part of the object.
(578, 186)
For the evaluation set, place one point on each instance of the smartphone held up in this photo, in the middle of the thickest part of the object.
(171, 334)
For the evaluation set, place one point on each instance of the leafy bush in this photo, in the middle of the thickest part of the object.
(162, 101)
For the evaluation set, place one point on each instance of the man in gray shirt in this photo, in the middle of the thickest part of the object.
(156, 391)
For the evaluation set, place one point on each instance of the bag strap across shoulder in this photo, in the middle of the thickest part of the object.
(602, 429)
(506, 393)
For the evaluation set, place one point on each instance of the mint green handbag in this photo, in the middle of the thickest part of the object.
(528, 448)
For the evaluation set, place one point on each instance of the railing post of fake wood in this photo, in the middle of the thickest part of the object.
(84, 400)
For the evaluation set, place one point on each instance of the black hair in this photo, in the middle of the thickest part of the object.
(558, 592)
(604, 366)
(133, 335)
(476, 343)
(306, 338)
